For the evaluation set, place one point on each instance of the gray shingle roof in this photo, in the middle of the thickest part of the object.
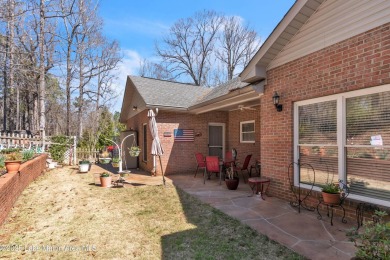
(224, 89)
(168, 93)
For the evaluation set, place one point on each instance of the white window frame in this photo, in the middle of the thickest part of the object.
(341, 133)
(254, 131)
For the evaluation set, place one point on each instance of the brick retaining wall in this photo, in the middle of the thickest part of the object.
(12, 184)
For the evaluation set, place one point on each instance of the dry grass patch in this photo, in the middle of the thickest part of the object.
(63, 216)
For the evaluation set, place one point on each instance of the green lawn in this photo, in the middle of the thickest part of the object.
(63, 216)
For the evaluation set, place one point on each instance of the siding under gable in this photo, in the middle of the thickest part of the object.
(334, 21)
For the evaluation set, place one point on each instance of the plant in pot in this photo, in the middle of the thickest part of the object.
(13, 161)
(105, 180)
(115, 162)
(331, 193)
(84, 166)
(134, 151)
(231, 178)
(104, 157)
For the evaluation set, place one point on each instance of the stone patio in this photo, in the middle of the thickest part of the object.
(273, 217)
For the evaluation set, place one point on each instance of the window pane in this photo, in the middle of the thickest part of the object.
(368, 116)
(318, 123)
(324, 160)
(248, 137)
(248, 127)
(368, 172)
(368, 123)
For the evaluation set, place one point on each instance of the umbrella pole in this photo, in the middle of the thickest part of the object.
(159, 157)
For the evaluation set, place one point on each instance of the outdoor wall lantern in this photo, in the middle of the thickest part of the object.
(276, 98)
(134, 108)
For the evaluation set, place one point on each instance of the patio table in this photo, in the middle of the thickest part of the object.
(255, 182)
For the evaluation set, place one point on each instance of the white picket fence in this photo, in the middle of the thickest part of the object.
(25, 141)
(13, 140)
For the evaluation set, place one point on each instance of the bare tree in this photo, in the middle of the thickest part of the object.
(154, 70)
(188, 47)
(238, 45)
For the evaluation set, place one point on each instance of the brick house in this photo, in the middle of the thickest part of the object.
(220, 118)
(329, 61)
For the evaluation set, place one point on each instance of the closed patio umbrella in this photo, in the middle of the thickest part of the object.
(157, 149)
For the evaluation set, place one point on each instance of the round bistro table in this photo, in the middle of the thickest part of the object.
(257, 185)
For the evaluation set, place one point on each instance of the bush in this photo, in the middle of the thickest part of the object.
(2, 161)
(374, 241)
(27, 155)
(57, 151)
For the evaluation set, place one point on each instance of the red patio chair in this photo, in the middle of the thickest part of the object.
(244, 166)
(212, 166)
(200, 161)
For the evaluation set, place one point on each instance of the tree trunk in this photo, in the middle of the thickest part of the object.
(42, 83)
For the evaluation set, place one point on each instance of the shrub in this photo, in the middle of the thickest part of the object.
(2, 161)
(374, 241)
(27, 155)
(57, 151)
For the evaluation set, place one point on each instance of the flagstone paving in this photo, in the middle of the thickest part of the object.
(273, 217)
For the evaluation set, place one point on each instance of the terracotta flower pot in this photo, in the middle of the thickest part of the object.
(105, 182)
(331, 198)
(12, 166)
(232, 184)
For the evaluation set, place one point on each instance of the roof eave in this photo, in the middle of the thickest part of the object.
(256, 69)
(235, 97)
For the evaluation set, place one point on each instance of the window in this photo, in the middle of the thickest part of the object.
(346, 136)
(247, 132)
(145, 143)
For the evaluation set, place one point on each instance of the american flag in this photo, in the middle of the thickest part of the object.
(183, 135)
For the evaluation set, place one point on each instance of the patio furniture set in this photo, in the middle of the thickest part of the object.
(229, 168)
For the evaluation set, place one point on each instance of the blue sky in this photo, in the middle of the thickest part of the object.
(137, 25)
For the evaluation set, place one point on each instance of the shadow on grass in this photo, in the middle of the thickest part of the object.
(218, 236)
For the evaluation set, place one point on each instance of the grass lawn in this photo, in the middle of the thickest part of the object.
(63, 216)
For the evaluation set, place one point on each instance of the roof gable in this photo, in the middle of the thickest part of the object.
(334, 21)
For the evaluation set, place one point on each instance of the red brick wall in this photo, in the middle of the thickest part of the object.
(243, 149)
(179, 157)
(359, 62)
(12, 185)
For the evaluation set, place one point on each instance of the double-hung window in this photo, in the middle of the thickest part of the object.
(347, 137)
(247, 131)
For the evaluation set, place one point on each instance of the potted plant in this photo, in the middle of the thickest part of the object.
(84, 166)
(13, 161)
(331, 193)
(105, 180)
(231, 178)
(104, 157)
(134, 151)
(115, 162)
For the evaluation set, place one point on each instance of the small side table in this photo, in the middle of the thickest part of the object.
(258, 182)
